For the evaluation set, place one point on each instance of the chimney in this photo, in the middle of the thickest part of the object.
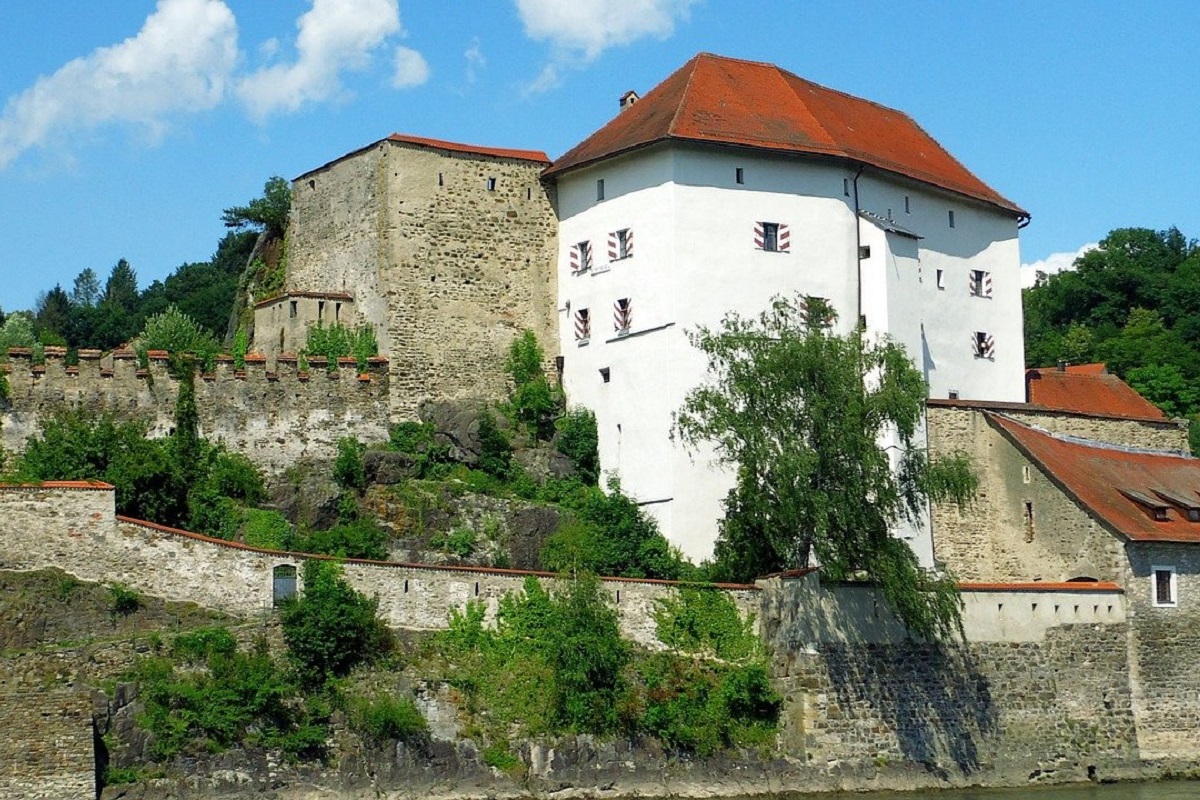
(1062, 365)
(628, 99)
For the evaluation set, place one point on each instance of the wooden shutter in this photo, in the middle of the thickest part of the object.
(989, 347)
(583, 324)
(784, 245)
(973, 282)
(613, 252)
(987, 284)
(629, 242)
(760, 237)
(575, 259)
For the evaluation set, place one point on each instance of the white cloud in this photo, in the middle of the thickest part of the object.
(475, 60)
(1055, 262)
(549, 78)
(580, 30)
(179, 61)
(411, 68)
(335, 36)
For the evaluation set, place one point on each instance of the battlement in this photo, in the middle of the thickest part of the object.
(273, 414)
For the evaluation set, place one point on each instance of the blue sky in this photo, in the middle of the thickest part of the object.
(128, 125)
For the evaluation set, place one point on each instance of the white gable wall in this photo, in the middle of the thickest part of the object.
(695, 260)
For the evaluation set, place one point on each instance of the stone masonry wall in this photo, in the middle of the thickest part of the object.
(46, 752)
(1163, 651)
(1043, 696)
(272, 417)
(75, 530)
(448, 270)
(994, 538)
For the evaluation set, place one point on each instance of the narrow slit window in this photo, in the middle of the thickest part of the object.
(951, 218)
(739, 175)
(320, 309)
(292, 309)
(941, 279)
(600, 189)
(440, 182)
(491, 184)
(337, 312)
(907, 205)
(1028, 520)
(846, 187)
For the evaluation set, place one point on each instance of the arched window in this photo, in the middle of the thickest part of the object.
(285, 583)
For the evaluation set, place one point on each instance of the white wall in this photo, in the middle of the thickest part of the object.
(695, 260)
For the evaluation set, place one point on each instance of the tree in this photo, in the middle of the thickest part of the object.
(121, 287)
(53, 314)
(534, 402)
(174, 331)
(268, 213)
(800, 413)
(87, 289)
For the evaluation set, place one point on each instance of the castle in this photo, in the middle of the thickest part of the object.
(728, 183)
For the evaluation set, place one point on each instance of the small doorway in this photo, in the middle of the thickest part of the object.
(284, 584)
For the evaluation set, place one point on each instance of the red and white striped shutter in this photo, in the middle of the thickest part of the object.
(583, 328)
(987, 284)
(574, 259)
(785, 239)
(972, 282)
(613, 253)
(587, 260)
(760, 238)
(629, 243)
(989, 347)
(623, 315)
(976, 348)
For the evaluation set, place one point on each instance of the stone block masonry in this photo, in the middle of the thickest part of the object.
(448, 252)
(273, 417)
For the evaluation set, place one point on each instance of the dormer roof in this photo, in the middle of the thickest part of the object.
(727, 101)
(1143, 495)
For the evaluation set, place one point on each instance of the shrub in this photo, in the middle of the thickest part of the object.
(123, 600)
(495, 450)
(338, 341)
(384, 718)
(330, 628)
(533, 401)
(358, 539)
(177, 332)
(348, 471)
(706, 621)
(579, 441)
(418, 440)
(198, 646)
(269, 530)
(459, 542)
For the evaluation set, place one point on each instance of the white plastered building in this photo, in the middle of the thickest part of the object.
(733, 182)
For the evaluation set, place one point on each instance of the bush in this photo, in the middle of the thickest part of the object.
(358, 539)
(417, 440)
(533, 401)
(269, 530)
(330, 628)
(495, 450)
(579, 441)
(178, 333)
(459, 542)
(348, 471)
(337, 341)
(200, 645)
(383, 718)
(123, 600)
(706, 621)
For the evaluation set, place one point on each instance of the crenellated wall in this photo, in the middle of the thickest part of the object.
(274, 417)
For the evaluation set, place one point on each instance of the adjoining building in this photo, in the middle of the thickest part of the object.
(732, 182)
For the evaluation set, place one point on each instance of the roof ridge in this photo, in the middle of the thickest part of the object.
(1095, 444)
(695, 62)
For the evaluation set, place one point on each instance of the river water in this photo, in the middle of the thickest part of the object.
(1167, 790)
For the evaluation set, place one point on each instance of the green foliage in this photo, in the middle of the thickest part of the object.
(198, 646)
(269, 530)
(330, 628)
(579, 441)
(235, 698)
(495, 449)
(174, 331)
(360, 538)
(418, 441)
(123, 601)
(241, 344)
(17, 331)
(555, 663)
(338, 341)
(348, 470)
(1133, 303)
(706, 621)
(609, 535)
(384, 718)
(789, 407)
(267, 213)
(119, 776)
(533, 401)
(459, 542)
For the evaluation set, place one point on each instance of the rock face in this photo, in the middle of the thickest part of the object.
(456, 423)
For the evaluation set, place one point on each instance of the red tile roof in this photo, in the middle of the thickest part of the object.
(1087, 389)
(748, 103)
(1097, 476)
(497, 152)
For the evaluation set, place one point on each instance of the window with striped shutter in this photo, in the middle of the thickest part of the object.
(981, 283)
(622, 316)
(583, 326)
(773, 237)
(620, 245)
(581, 257)
(984, 344)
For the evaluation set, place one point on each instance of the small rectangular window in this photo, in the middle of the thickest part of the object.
(581, 257)
(583, 326)
(1029, 521)
(621, 245)
(907, 205)
(1026, 474)
(846, 187)
(941, 279)
(337, 312)
(864, 252)
(491, 184)
(739, 175)
(981, 283)
(320, 309)
(439, 179)
(983, 344)
(292, 309)
(773, 237)
(952, 394)
(1164, 587)
(622, 316)
(600, 189)
(951, 218)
